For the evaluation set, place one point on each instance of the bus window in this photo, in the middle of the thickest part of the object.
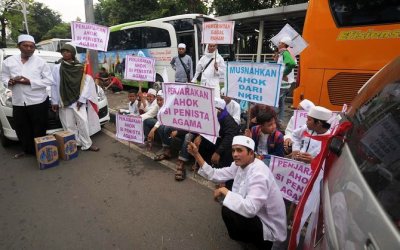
(156, 38)
(356, 13)
(182, 24)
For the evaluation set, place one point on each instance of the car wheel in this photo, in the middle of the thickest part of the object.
(3, 139)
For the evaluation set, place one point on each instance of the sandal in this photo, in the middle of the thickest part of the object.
(195, 167)
(161, 157)
(19, 155)
(93, 148)
(180, 173)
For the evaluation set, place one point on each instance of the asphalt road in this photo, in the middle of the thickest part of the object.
(112, 199)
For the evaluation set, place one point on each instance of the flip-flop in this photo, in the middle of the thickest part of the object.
(93, 148)
(161, 157)
(19, 155)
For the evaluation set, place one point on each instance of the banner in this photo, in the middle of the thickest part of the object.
(254, 82)
(291, 176)
(140, 68)
(189, 107)
(129, 128)
(218, 32)
(90, 35)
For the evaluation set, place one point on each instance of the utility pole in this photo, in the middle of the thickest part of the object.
(24, 12)
(89, 14)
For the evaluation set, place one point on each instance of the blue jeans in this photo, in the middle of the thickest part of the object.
(282, 98)
(148, 124)
(165, 134)
(184, 154)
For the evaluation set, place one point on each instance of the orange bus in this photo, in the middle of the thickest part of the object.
(349, 40)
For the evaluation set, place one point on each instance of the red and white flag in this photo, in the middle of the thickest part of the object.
(89, 91)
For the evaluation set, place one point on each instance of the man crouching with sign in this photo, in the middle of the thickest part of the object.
(254, 210)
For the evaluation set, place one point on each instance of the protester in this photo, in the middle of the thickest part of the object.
(102, 78)
(211, 66)
(303, 105)
(147, 102)
(70, 97)
(289, 62)
(150, 117)
(182, 64)
(268, 139)
(259, 108)
(305, 148)
(28, 76)
(133, 103)
(232, 106)
(115, 84)
(254, 210)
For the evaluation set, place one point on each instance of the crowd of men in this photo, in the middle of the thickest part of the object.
(252, 206)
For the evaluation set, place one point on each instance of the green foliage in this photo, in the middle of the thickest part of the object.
(112, 12)
(41, 19)
(62, 30)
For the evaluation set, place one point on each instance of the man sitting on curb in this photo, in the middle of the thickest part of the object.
(254, 210)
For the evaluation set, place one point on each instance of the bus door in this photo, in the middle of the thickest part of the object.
(188, 39)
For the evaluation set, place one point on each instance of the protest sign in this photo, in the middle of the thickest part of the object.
(140, 68)
(129, 128)
(254, 82)
(218, 32)
(291, 176)
(189, 107)
(90, 35)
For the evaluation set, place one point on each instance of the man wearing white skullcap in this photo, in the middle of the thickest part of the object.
(232, 106)
(28, 76)
(182, 64)
(303, 105)
(254, 210)
(152, 105)
(289, 63)
(304, 148)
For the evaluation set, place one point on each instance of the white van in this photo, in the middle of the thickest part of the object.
(7, 132)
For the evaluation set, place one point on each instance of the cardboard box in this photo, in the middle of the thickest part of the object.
(67, 148)
(46, 151)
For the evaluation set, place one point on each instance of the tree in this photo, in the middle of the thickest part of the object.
(42, 19)
(62, 30)
(177, 7)
(8, 9)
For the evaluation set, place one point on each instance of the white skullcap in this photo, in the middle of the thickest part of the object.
(219, 103)
(223, 92)
(320, 113)
(351, 186)
(160, 94)
(286, 40)
(306, 104)
(152, 92)
(26, 38)
(244, 141)
(182, 45)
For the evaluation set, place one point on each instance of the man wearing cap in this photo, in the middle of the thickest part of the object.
(147, 103)
(182, 64)
(254, 211)
(304, 148)
(28, 76)
(305, 105)
(232, 106)
(289, 63)
(69, 95)
(150, 117)
(211, 66)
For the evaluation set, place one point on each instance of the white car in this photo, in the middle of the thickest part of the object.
(7, 132)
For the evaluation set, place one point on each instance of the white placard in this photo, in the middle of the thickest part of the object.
(300, 118)
(140, 68)
(291, 176)
(189, 107)
(218, 32)
(129, 128)
(254, 82)
(298, 43)
(90, 35)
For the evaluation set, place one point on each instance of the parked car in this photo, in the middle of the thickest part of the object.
(360, 191)
(7, 132)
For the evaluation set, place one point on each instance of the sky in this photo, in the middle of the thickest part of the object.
(68, 9)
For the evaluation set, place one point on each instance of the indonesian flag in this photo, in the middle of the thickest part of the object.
(90, 92)
(311, 196)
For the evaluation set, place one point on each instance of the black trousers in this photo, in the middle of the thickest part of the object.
(240, 228)
(30, 122)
